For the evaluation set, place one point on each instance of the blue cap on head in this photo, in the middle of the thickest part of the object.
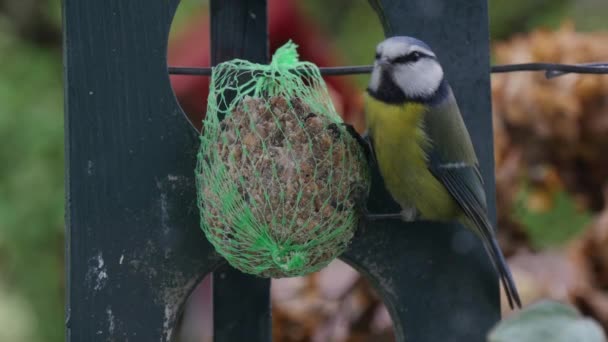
(409, 41)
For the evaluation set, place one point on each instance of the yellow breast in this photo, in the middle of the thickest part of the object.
(399, 142)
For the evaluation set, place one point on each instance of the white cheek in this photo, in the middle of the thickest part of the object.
(419, 79)
(374, 82)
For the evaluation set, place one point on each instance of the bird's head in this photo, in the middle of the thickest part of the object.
(405, 69)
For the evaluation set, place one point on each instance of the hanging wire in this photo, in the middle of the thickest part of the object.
(595, 68)
(551, 70)
(327, 71)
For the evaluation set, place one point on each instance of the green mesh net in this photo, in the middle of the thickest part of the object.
(278, 174)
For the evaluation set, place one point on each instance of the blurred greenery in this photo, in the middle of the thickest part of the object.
(31, 131)
(31, 188)
(555, 226)
(508, 17)
(347, 32)
(187, 9)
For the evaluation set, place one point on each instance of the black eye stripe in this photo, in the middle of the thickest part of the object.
(411, 57)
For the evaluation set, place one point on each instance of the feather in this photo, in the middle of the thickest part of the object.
(452, 160)
(463, 183)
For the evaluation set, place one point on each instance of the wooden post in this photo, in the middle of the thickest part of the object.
(434, 290)
(241, 303)
(134, 246)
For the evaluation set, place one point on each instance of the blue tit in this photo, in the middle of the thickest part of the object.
(422, 146)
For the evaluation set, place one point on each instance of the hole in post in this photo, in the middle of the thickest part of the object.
(189, 46)
(334, 304)
(196, 324)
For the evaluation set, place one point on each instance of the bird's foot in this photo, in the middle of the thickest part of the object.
(375, 217)
(409, 214)
(378, 217)
(406, 215)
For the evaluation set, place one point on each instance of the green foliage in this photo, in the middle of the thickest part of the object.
(555, 226)
(590, 14)
(15, 317)
(186, 10)
(547, 321)
(514, 16)
(353, 26)
(31, 185)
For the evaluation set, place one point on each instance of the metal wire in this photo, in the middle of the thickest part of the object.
(190, 71)
(327, 71)
(594, 66)
(552, 70)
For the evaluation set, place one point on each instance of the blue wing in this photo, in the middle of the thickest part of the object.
(452, 160)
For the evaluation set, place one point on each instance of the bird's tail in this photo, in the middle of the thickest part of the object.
(483, 228)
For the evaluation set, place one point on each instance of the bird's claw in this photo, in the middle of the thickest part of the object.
(377, 217)
(406, 215)
(409, 214)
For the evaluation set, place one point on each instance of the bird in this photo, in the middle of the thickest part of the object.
(422, 146)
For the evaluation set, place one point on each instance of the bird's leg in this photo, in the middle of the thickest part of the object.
(379, 217)
(406, 215)
(390, 216)
(360, 200)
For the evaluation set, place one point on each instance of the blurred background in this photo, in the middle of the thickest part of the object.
(551, 147)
